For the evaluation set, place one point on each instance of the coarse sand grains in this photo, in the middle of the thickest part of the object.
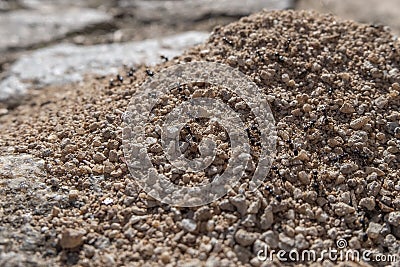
(333, 87)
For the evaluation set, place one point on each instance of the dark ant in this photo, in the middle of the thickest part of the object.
(164, 58)
(111, 82)
(330, 90)
(269, 189)
(295, 152)
(364, 237)
(130, 72)
(149, 73)
(227, 41)
(287, 44)
(120, 78)
(188, 140)
(336, 158)
(339, 157)
(375, 26)
(260, 56)
(364, 157)
(248, 132)
(271, 192)
(363, 222)
(309, 125)
(279, 57)
(315, 184)
(253, 140)
(302, 74)
(290, 142)
(276, 170)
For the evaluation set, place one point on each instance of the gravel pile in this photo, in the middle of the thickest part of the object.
(333, 87)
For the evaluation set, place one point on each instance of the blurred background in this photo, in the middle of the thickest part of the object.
(53, 42)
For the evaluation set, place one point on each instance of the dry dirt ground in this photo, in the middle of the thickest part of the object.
(333, 86)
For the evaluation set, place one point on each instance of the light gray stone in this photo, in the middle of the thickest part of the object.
(394, 218)
(66, 63)
(182, 10)
(21, 172)
(245, 238)
(189, 225)
(342, 209)
(374, 230)
(267, 219)
(23, 28)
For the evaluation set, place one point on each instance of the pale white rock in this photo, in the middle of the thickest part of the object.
(374, 230)
(67, 63)
(245, 238)
(189, 225)
(29, 27)
(394, 218)
(170, 11)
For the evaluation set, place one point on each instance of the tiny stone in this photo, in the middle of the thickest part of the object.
(301, 242)
(359, 122)
(165, 257)
(71, 238)
(245, 238)
(394, 218)
(202, 214)
(381, 102)
(307, 108)
(73, 195)
(232, 60)
(374, 230)
(368, 203)
(254, 207)
(3, 111)
(99, 157)
(239, 201)
(189, 225)
(354, 243)
(285, 241)
(303, 156)
(267, 219)
(347, 108)
(271, 239)
(285, 78)
(342, 209)
(304, 177)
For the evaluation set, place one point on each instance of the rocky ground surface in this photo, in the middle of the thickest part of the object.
(333, 86)
(39, 30)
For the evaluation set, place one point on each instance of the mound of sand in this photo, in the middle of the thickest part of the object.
(333, 87)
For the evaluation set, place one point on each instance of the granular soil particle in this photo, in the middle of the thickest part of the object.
(333, 87)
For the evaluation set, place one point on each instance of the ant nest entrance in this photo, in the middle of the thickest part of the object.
(196, 131)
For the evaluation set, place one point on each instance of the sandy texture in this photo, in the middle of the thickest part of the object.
(334, 89)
